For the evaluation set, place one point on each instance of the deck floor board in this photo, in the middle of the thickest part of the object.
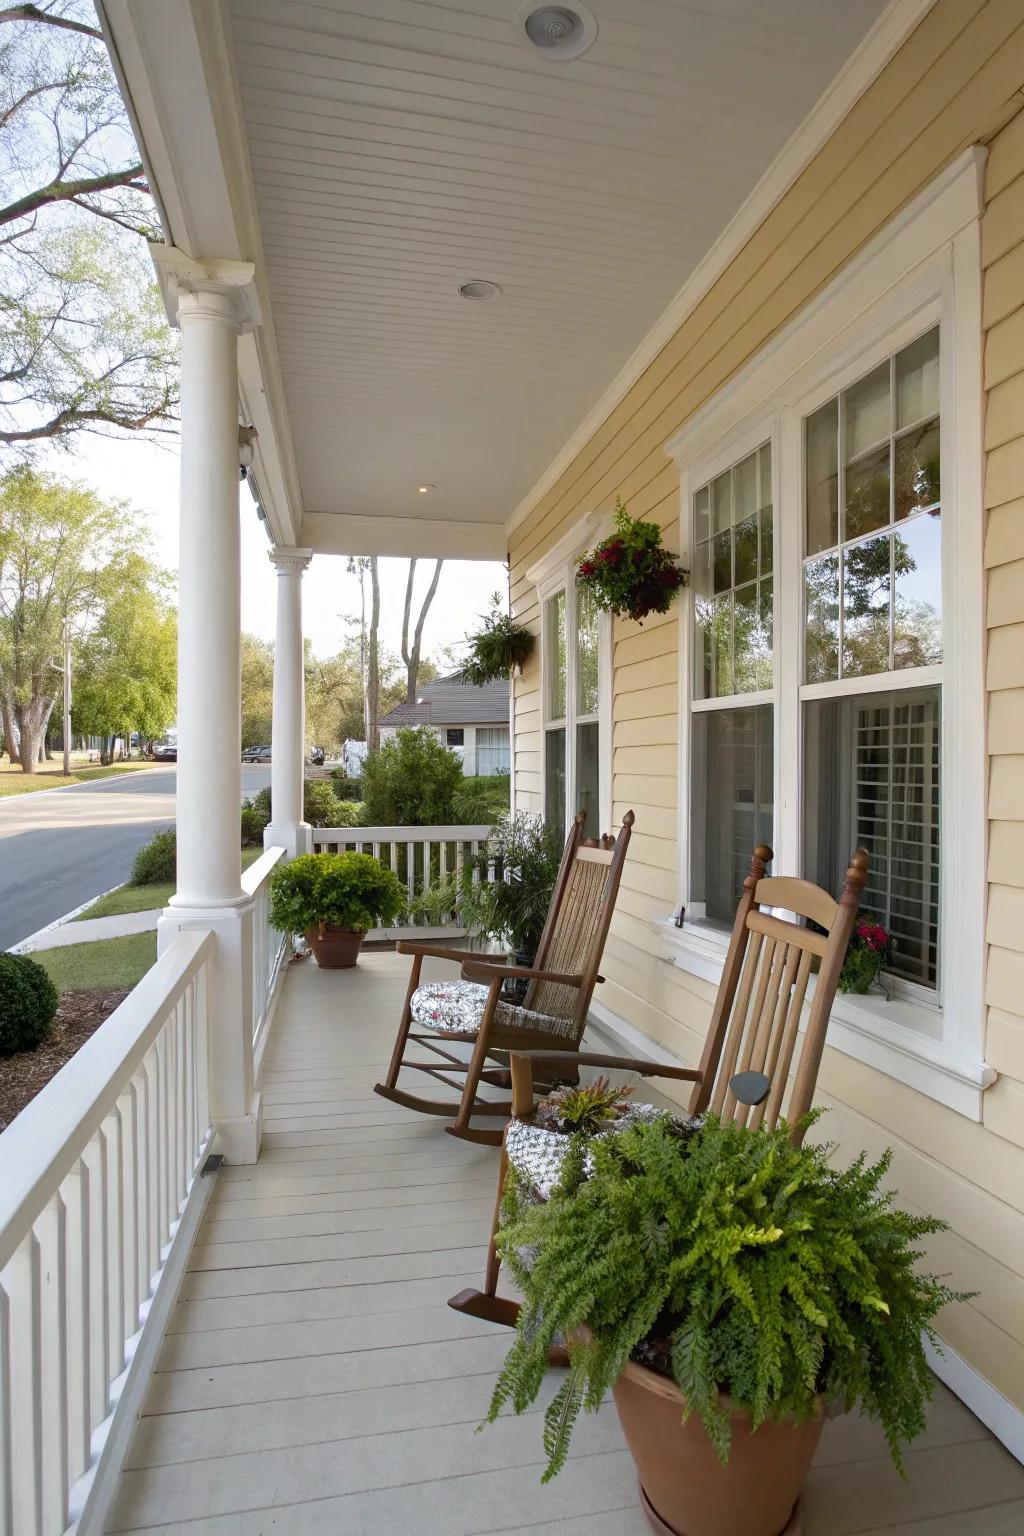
(312, 1378)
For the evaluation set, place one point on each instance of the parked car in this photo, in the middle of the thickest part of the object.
(256, 755)
(165, 751)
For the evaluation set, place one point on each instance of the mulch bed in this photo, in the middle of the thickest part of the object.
(22, 1076)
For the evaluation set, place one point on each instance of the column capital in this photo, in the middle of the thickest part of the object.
(291, 562)
(233, 282)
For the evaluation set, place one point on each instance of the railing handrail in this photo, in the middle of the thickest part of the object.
(261, 869)
(41, 1144)
(471, 834)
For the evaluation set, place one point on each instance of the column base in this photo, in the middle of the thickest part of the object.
(294, 840)
(235, 1108)
(239, 1140)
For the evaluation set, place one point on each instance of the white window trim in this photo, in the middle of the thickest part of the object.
(552, 573)
(923, 268)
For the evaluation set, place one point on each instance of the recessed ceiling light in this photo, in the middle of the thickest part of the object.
(425, 490)
(557, 31)
(480, 288)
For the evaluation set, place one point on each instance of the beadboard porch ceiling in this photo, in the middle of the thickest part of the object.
(370, 158)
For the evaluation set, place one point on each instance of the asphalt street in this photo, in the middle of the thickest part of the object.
(62, 847)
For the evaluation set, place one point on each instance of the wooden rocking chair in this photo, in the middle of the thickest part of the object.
(752, 1054)
(553, 1013)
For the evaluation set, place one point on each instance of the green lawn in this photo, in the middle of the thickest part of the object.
(14, 782)
(106, 964)
(144, 898)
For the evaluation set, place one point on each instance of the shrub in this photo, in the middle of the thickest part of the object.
(345, 787)
(28, 1002)
(320, 807)
(341, 890)
(156, 861)
(252, 825)
(349, 813)
(480, 800)
(411, 781)
(734, 1263)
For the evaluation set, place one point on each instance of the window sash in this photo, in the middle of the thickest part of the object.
(566, 772)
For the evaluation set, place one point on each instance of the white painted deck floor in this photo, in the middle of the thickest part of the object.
(314, 1381)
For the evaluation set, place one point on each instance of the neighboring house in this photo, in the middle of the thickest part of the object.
(473, 722)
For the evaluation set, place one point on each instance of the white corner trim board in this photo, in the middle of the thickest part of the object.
(861, 69)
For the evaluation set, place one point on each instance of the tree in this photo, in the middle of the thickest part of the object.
(126, 672)
(411, 651)
(257, 691)
(61, 559)
(84, 344)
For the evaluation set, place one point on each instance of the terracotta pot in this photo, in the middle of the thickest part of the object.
(335, 948)
(686, 1491)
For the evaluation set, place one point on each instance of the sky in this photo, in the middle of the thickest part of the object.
(146, 475)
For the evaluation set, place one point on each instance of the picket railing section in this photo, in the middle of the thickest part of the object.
(424, 858)
(95, 1174)
(269, 946)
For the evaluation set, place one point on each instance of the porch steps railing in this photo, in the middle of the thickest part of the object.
(100, 1195)
(423, 858)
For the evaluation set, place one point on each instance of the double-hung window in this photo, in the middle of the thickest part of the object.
(832, 638)
(576, 698)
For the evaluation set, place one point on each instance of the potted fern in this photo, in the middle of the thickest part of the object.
(334, 898)
(496, 650)
(729, 1289)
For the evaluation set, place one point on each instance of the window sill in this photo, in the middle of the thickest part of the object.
(900, 1038)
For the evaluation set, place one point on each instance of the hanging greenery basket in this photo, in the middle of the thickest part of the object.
(496, 650)
(631, 574)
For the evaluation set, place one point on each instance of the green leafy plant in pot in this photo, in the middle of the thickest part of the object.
(524, 853)
(334, 898)
(729, 1289)
(496, 649)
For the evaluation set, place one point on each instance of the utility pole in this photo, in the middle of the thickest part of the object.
(67, 698)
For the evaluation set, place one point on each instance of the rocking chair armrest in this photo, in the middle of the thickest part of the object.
(433, 951)
(636, 1064)
(477, 969)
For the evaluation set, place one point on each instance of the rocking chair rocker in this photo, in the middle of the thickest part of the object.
(553, 1013)
(752, 1054)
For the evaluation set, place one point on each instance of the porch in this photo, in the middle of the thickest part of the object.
(312, 1377)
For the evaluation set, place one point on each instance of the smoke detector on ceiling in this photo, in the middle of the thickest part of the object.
(556, 31)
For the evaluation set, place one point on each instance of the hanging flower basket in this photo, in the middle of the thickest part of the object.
(631, 574)
(496, 650)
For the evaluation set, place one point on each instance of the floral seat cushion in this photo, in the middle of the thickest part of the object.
(457, 1008)
(538, 1154)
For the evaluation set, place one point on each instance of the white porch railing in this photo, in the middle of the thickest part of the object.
(99, 1194)
(423, 857)
(269, 946)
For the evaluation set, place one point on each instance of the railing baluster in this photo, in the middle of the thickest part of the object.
(6, 1383)
(76, 1192)
(95, 1160)
(50, 1230)
(21, 1282)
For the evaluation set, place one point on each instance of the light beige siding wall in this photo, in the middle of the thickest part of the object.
(952, 84)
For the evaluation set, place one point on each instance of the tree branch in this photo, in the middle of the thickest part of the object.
(35, 13)
(68, 191)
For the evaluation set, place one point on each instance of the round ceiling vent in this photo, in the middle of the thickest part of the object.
(558, 31)
(479, 288)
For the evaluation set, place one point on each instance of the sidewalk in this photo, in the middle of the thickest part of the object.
(92, 928)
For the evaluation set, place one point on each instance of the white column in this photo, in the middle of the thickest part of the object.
(288, 829)
(210, 308)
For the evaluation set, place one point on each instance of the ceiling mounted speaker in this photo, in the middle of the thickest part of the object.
(557, 31)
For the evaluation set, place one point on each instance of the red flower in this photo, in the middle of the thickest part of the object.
(587, 568)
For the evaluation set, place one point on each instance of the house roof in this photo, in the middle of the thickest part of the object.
(449, 702)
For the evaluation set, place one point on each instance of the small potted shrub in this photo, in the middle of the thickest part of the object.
(498, 649)
(729, 1289)
(631, 574)
(867, 952)
(334, 898)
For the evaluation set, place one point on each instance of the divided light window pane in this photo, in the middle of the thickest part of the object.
(586, 653)
(732, 579)
(554, 621)
(873, 771)
(872, 567)
(731, 804)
